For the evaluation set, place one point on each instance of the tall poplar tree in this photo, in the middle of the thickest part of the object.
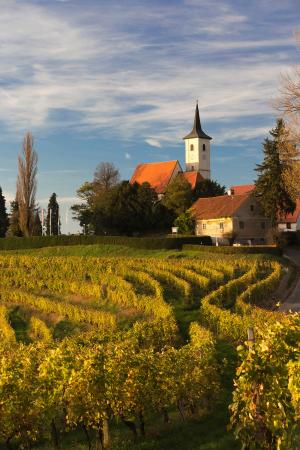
(26, 185)
(271, 187)
(3, 215)
(52, 223)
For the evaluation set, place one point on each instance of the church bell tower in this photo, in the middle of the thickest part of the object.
(197, 149)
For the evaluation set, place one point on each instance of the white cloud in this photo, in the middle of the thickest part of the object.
(153, 142)
(127, 156)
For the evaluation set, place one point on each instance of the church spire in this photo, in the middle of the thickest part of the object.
(197, 131)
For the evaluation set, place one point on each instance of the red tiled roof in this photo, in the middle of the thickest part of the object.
(193, 178)
(218, 207)
(291, 218)
(157, 174)
(242, 189)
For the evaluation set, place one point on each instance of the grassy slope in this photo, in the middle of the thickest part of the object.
(207, 433)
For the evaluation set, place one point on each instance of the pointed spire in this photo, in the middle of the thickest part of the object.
(197, 129)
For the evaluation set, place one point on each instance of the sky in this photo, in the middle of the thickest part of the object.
(117, 81)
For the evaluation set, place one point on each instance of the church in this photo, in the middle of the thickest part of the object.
(197, 162)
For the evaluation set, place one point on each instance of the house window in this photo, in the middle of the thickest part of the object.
(288, 226)
(203, 147)
(263, 225)
(221, 225)
(241, 225)
(252, 207)
(192, 167)
(204, 226)
(192, 147)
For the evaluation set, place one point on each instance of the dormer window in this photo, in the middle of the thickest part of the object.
(203, 147)
(192, 147)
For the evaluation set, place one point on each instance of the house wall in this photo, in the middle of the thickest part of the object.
(214, 228)
(284, 227)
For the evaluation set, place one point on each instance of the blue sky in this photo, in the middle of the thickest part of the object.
(98, 80)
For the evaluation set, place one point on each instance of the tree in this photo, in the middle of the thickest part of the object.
(186, 223)
(125, 209)
(208, 188)
(14, 222)
(105, 176)
(52, 221)
(37, 224)
(179, 195)
(26, 185)
(270, 187)
(288, 102)
(4, 222)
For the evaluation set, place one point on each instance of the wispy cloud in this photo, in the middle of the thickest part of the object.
(127, 155)
(101, 70)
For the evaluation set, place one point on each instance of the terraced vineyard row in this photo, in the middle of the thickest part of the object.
(101, 336)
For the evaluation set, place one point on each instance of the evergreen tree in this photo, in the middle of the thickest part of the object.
(14, 224)
(52, 221)
(37, 224)
(270, 187)
(3, 216)
(208, 188)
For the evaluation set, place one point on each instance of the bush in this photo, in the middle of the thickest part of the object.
(233, 250)
(288, 238)
(153, 243)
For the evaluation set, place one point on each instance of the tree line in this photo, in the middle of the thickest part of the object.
(24, 218)
(112, 206)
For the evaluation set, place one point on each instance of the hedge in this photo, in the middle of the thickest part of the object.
(233, 250)
(15, 243)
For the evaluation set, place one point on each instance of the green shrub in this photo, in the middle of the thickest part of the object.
(233, 250)
(153, 243)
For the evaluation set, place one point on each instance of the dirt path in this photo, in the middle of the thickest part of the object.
(293, 301)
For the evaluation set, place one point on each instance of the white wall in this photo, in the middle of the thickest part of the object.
(198, 158)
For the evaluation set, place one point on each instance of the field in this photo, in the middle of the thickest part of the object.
(124, 347)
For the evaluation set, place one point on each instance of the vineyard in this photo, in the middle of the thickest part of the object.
(91, 344)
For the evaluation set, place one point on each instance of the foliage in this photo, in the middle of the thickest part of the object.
(14, 225)
(53, 220)
(4, 222)
(37, 224)
(26, 185)
(186, 223)
(271, 188)
(264, 409)
(178, 196)
(122, 359)
(208, 188)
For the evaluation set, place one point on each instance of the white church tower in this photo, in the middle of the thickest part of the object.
(197, 149)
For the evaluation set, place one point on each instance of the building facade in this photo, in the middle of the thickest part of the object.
(232, 218)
